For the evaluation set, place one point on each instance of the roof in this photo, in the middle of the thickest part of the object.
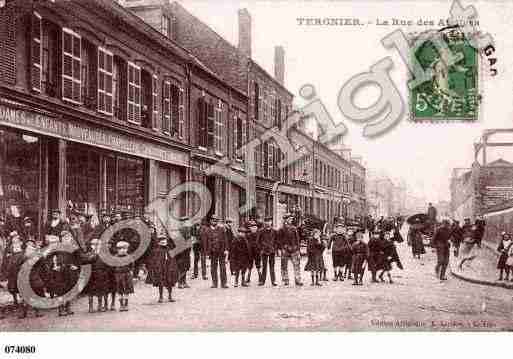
(499, 163)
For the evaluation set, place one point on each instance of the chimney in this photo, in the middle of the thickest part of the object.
(245, 32)
(279, 64)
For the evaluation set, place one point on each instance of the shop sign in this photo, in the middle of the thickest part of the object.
(88, 135)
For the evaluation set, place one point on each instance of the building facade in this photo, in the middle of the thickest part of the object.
(99, 111)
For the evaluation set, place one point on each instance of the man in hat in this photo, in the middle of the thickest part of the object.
(199, 252)
(267, 242)
(55, 226)
(289, 246)
(215, 244)
(183, 259)
(254, 259)
(442, 245)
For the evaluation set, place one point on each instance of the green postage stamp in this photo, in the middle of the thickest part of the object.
(450, 92)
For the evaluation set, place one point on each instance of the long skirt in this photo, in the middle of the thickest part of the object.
(315, 262)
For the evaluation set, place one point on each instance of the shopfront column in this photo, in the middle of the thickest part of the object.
(61, 195)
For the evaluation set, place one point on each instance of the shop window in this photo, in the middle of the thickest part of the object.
(71, 66)
(134, 94)
(107, 87)
(36, 52)
(83, 178)
(20, 173)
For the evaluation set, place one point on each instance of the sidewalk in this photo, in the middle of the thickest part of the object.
(482, 270)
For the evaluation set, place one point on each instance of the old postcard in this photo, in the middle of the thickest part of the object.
(171, 166)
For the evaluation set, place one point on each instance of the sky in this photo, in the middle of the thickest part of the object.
(328, 56)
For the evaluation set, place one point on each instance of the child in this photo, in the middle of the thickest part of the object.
(360, 252)
(35, 278)
(314, 250)
(338, 243)
(123, 276)
(100, 283)
(64, 273)
(14, 263)
(163, 271)
(504, 249)
(240, 256)
(389, 255)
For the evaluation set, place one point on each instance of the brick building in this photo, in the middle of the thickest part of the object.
(100, 111)
(319, 181)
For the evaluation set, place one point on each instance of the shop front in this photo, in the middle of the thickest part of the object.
(49, 162)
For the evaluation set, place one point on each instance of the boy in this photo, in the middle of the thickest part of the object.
(360, 256)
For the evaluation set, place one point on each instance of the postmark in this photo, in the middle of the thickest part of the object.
(451, 90)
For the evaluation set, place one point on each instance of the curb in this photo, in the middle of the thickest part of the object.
(498, 284)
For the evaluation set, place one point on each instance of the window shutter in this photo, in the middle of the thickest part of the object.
(134, 94)
(181, 113)
(210, 124)
(105, 86)
(154, 101)
(201, 122)
(166, 106)
(71, 66)
(36, 54)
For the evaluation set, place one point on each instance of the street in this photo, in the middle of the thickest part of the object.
(416, 300)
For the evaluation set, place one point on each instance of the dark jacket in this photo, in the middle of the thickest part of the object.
(267, 240)
(239, 255)
(339, 243)
(289, 238)
(214, 239)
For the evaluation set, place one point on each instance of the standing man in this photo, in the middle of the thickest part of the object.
(198, 250)
(480, 230)
(267, 239)
(432, 214)
(183, 259)
(442, 246)
(254, 251)
(289, 250)
(215, 244)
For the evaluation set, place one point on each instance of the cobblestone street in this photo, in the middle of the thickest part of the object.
(415, 301)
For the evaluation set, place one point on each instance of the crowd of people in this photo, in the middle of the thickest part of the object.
(249, 251)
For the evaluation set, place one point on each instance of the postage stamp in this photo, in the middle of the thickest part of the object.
(451, 91)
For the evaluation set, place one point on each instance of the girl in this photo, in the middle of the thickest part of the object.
(99, 284)
(163, 272)
(123, 276)
(14, 263)
(314, 250)
(240, 257)
(504, 249)
(64, 273)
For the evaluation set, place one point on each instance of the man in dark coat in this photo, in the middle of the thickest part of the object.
(183, 259)
(267, 240)
(199, 253)
(480, 230)
(457, 237)
(375, 259)
(215, 244)
(239, 256)
(254, 249)
(442, 246)
(289, 245)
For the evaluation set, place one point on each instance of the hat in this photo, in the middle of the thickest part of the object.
(228, 220)
(287, 215)
(94, 241)
(252, 223)
(13, 234)
(268, 219)
(339, 224)
(184, 218)
(56, 210)
(122, 244)
(27, 219)
(214, 218)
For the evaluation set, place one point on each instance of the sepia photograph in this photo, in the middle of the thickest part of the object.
(254, 166)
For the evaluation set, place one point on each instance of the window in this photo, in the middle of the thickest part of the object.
(272, 109)
(116, 82)
(71, 66)
(220, 135)
(36, 68)
(166, 26)
(257, 102)
(181, 113)
(166, 107)
(277, 121)
(201, 114)
(175, 98)
(85, 94)
(210, 124)
(241, 136)
(270, 161)
(105, 81)
(154, 99)
(134, 94)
